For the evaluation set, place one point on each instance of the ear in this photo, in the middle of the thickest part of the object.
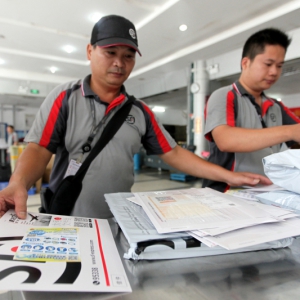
(89, 49)
(245, 63)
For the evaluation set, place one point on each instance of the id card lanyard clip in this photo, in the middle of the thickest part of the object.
(86, 147)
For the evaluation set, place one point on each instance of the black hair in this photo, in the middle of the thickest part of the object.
(11, 126)
(270, 36)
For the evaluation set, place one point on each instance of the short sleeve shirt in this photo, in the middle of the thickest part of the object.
(63, 124)
(234, 106)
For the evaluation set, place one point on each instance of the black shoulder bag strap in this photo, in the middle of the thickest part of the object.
(63, 200)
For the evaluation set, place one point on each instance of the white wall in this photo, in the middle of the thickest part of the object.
(291, 101)
(20, 114)
(172, 117)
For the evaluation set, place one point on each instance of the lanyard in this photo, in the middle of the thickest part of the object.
(86, 147)
(258, 110)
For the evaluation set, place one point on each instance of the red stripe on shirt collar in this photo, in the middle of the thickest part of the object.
(117, 101)
(236, 89)
(266, 105)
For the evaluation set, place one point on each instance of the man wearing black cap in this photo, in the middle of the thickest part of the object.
(72, 118)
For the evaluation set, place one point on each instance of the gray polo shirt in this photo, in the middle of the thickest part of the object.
(234, 106)
(64, 123)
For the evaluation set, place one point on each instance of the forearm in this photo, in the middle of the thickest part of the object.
(190, 163)
(236, 139)
(30, 165)
(187, 162)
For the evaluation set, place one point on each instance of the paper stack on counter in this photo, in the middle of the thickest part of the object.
(59, 253)
(165, 224)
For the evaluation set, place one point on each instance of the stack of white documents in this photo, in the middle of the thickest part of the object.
(202, 214)
(218, 219)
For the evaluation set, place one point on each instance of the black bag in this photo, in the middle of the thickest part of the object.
(63, 200)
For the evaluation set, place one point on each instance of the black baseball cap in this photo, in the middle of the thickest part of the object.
(113, 30)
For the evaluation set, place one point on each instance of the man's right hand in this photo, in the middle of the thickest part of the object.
(14, 197)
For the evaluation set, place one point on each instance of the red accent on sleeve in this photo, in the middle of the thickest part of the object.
(115, 103)
(290, 113)
(268, 103)
(159, 135)
(208, 137)
(230, 109)
(50, 124)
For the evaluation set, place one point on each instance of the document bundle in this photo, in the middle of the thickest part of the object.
(198, 222)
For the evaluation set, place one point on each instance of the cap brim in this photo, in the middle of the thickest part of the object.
(117, 42)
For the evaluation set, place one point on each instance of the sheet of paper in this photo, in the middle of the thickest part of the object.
(134, 200)
(243, 193)
(264, 188)
(99, 269)
(193, 209)
(50, 244)
(255, 235)
(227, 228)
(278, 213)
(202, 239)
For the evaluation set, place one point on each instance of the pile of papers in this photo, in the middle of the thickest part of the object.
(218, 219)
(59, 253)
(162, 224)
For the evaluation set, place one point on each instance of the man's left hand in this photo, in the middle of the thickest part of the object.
(245, 178)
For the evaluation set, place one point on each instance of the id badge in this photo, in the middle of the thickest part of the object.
(72, 168)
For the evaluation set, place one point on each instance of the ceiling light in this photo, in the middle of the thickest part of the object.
(158, 109)
(183, 27)
(2, 61)
(53, 69)
(69, 48)
(94, 17)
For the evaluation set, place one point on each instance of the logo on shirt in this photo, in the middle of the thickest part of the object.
(130, 119)
(273, 117)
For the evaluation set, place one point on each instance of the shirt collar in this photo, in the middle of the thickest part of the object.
(242, 91)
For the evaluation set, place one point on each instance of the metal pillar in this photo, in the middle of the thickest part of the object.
(190, 110)
(198, 95)
(1, 112)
